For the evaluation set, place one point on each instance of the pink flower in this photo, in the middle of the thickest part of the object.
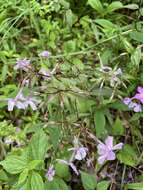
(139, 95)
(69, 164)
(22, 64)
(106, 151)
(50, 173)
(45, 54)
(79, 152)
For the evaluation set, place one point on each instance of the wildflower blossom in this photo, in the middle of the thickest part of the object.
(139, 95)
(70, 164)
(45, 54)
(132, 105)
(79, 152)
(17, 101)
(22, 64)
(22, 102)
(106, 151)
(50, 173)
(30, 101)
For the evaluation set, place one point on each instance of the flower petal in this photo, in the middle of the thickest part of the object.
(111, 155)
(101, 159)
(118, 146)
(140, 89)
(109, 142)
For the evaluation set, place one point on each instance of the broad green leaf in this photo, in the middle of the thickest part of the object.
(36, 182)
(34, 163)
(14, 164)
(138, 36)
(135, 186)
(23, 176)
(62, 170)
(103, 185)
(99, 120)
(55, 135)
(88, 180)
(96, 4)
(118, 128)
(56, 184)
(105, 23)
(38, 146)
(132, 6)
(128, 156)
(3, 176)
(114, 6)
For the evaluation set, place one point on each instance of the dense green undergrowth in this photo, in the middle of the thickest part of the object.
(65, 68)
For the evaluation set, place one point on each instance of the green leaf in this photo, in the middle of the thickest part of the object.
(136, 57)
(118, 128)
(132, 6)
(55, 135)
(128, 156)
(38, 146)
(62, 170)
(56, 184)
(34, 163)
(96, 4)
(135, 186)
(14, 164)
(114, 6)
(23, 176)
(103, 185)
(88, 181)
(138, 36)
(37, 182)
(99, 120)
(4, 72)
(105, 23)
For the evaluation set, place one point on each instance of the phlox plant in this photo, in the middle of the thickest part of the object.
(71, 95)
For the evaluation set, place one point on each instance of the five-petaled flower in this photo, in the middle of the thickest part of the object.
(50, 173)
(106, 151)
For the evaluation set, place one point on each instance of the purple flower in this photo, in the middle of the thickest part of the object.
(79, 152)
(45, 54)
(137, 107)
(106, 151)
(139, 95)
(22, 102)
(69, 164)
(132, 105)
(127, 100)
(30, 101)
(50, 173)
(22, 64)
(17, 101)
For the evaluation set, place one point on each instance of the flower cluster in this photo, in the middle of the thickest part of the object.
(22, 102)
(135, 102)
